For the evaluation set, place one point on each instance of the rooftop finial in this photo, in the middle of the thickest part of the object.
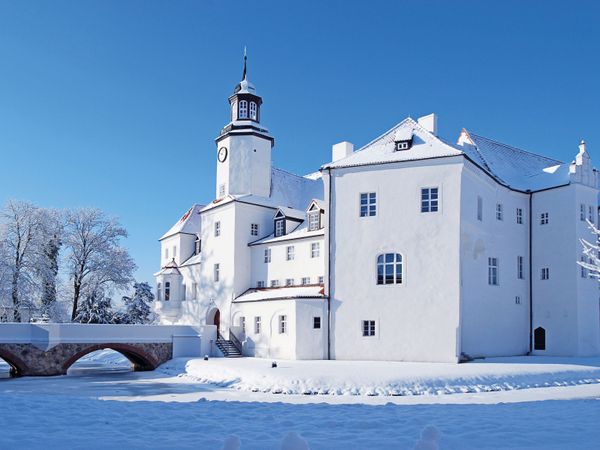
(582, 146)
(245, 58)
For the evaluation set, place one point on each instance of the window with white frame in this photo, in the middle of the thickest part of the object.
(279, 227)
(257, 323)
(167, 291)
(315, 249)
(368, 204)
(544, 218)
(305, 281)
(274, 283)
(429, 199)
(584, 271)
(198, 246)
(260, 284)
(221, 190)
(289, 281)
(282, 324)
(321, 279)
(289, 253)
(368, 328)
(389, 268)
(493, 271)
(317, 323)
(499, 215)
(216, 272)
(253, 111)
(545, 275)
(253, 229)
(217, 228)
(243, 109)
(520, 274)
(159, 292)
(582, 212)
(313, 220)
(267, 255)
(591, 214)
(479, 208)
(520, 216)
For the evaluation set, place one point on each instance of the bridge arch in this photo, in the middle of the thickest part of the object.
(140, 360)
(17, 366)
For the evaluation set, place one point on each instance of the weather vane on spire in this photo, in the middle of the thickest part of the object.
(245, 58)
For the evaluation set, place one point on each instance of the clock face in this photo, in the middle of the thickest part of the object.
(222, 154)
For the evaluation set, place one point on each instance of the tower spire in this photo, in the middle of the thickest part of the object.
(245, 59)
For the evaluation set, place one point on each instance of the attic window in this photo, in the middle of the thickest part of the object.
(279, 227)
(403, 145)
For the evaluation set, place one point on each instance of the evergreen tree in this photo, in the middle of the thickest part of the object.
(95, 308)
(138, 306)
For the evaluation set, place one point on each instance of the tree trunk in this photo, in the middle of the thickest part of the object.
(15, 296)
(76, 294)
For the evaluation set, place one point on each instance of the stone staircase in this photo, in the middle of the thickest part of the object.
(228, 347)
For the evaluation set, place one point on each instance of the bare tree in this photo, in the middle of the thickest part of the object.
(20, 233)
(591, 252)
(94, 255)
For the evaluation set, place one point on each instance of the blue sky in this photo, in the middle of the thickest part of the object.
(116, 104)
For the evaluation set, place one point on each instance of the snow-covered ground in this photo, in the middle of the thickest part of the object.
(170, 408)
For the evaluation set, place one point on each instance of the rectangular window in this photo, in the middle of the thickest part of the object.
(518, 300)
(429, 200)
(584, 271)
(217, 228)
(368, 204)
(582, 212)
(183, 293)
(253, 229)
(194, 290)
(253, 114)
(493, 271)
(305, 281)
(289, 281)
(166, 253)
(499, 215)
(198, 245)
(315, 249)
(257, 325)
(321, 279)
(174, 252)
(260, 284)
(520, 267)
(479, 208)
(519, 216)
(545, 273)
(243, 324)
(544, 219)
(274, 283)
(159, 292)
(243, 114)
(591, 214)
(317, 323)
(289, 253)
(267, 255)
(368, 328)
(279, 227)
(167, 291)
(221, 190)
(282, 324)
(313, 220)
(216, 272)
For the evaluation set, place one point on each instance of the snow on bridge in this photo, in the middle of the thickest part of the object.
(50, 349)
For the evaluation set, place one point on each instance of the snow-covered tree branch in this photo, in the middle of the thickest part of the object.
(591, 253)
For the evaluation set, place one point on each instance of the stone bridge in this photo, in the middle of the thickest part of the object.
(50, 349)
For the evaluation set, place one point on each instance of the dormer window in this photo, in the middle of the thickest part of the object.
(314, 220)
(253, 111)
(403, 145)
(243, 111)
(279, 227)
(198, 245)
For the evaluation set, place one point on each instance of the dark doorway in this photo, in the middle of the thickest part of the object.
(217, 319)
(539, 339)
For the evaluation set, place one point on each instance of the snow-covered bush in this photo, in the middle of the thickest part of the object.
(137, 307)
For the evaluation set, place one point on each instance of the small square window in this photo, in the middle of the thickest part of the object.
(253, 229)
(518, 300)
(305, 281)
(289, 281)
(217, 228)
(545, 275)
(544, 218)
(260, 284)
(274, 283)
(317, 323)
(321, 279)
(368, 204)
(368, 328)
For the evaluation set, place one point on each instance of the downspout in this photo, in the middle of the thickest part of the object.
(530, 271)
(329, 268)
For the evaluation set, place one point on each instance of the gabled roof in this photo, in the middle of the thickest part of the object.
(382, 149)
(188, 224)
(291, 213)
(316, 204)
(169, 269)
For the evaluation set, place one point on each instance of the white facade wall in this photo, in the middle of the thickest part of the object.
(415, 321)
(492, 322)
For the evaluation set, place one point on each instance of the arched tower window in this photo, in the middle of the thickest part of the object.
(389, 268)
(243, 109)
(253, 111)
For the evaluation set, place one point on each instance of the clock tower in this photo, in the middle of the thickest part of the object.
(244, 146)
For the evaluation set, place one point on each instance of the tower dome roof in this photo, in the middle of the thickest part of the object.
(244, 87)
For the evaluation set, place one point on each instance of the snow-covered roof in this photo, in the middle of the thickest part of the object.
(189, 223)
(292, 213)
(319, 203)
(382, 149)
(403, 134)
(245, 87)
(169, 269)
(281, 293)
(194, 259)
(301, 232)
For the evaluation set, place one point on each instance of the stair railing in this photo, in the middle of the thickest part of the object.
(236, 342)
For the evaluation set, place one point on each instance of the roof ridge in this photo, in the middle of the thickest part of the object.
(515, 148)
(387, 132)
(289, 173)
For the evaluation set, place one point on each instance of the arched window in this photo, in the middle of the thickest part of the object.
(253, 111)
(167, 291)
(243, 109)
(389, 268)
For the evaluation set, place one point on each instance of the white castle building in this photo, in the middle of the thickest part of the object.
(410, 248)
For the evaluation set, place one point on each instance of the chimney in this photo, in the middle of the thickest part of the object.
(429, 123)
(341, 150)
